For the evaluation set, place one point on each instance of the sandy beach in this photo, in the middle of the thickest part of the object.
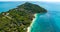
(29, 28)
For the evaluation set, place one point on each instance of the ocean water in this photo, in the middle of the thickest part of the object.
(48, 22)
(6, 6)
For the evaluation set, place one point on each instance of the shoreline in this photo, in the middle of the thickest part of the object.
(29, 28)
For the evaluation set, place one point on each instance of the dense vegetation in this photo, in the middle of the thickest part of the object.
(18, 19)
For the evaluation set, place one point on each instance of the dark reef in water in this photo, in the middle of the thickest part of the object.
(18, 19)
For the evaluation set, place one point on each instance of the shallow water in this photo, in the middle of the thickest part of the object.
(46, 22)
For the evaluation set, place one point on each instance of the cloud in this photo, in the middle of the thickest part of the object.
(35, 0)
(50, 0)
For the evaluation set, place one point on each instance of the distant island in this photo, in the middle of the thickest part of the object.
(18, 19)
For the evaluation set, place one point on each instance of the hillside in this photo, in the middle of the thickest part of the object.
(18, 19)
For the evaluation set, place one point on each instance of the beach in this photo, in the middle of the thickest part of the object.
(29, 28)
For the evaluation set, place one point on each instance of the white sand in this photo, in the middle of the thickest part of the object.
(28, 29)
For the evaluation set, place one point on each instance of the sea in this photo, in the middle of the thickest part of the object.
(46, 22)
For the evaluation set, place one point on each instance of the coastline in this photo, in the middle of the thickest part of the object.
(29, 28)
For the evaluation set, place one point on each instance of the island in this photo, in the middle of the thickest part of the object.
(19, 18)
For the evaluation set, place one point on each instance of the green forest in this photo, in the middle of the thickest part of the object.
(19, 18)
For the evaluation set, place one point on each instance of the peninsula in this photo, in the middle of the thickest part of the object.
(19, 18)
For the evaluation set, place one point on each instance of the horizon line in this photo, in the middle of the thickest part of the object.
(31, 0)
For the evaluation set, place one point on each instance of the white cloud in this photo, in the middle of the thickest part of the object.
(34, 0)
(50, 0)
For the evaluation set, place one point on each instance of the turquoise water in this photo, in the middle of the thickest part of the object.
(46, 22)
(49, 22)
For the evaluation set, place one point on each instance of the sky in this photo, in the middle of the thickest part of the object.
(34, 0)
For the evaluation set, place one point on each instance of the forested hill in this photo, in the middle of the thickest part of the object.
(18, 19)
